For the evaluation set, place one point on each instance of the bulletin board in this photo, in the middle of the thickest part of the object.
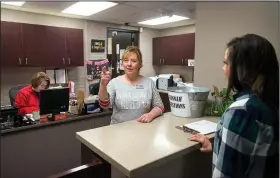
(94, 68)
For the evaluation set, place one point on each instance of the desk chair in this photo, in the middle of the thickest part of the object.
(13, 93)
(94, 88)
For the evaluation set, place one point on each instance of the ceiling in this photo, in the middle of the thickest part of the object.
(125, 12)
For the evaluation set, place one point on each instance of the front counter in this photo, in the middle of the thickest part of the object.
(43, 149)
(156, 149)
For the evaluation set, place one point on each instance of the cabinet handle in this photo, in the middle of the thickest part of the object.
(163, 61)
(25, 60)
(182, 61)
(63, 60)
(19, 61)
(69, 61)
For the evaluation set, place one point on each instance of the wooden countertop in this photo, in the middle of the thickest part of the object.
(71, 118)
(132, 146)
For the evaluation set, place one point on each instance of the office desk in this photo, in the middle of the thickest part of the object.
(44, 149)
(156, 149)
(70, 118)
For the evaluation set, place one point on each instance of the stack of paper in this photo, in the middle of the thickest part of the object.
(57, 76)
(204, 127)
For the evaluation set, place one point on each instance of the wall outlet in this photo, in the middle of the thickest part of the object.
(191, 62)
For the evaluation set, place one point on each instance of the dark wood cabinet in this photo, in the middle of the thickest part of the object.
(74, 47)
(32, 40)
(53, 46)
(173, 50)
(11, 44)
(33, 45)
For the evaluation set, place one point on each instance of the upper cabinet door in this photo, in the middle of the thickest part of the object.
(11, 44)
(157, 55)
(182, 48)
(54, 47)
(44, 46)
(161, 50)
(173, 50)
(31, 45)
(74, 47)
(189, 46)
(33, 35)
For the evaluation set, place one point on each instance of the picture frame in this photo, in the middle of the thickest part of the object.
(97, 46)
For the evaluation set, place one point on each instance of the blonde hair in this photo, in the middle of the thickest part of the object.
(39, 78)
(135, 50)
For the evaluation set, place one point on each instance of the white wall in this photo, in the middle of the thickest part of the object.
(146, 46)
(218, 22)
(178, 30)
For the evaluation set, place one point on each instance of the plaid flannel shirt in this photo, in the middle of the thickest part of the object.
(247, 140)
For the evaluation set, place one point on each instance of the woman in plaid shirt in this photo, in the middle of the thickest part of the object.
(247, 136)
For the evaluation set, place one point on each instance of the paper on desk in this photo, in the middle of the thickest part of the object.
(203, 126)
(50, 74)
(60, 76)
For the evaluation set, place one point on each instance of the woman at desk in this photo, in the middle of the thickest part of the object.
(27, 99)
(131, 95)
(246, 143)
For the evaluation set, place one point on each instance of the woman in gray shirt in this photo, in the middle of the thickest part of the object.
(131, 95)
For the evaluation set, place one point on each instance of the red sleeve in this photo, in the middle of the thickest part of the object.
(22, 104)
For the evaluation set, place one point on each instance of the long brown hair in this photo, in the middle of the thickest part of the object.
(254, 66)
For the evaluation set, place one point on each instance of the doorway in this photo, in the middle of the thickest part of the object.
(118, 40)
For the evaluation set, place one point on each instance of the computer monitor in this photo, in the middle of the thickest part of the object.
(53, 101)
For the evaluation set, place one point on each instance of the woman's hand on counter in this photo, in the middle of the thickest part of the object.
(205, 142)
(149, 117)
(145, 118)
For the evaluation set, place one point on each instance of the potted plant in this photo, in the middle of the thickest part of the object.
(220, 103)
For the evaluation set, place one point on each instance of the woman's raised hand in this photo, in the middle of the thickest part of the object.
(105, 76)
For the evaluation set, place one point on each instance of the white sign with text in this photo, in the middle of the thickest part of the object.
(179, 104)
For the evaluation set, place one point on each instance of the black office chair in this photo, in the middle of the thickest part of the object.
(13, 93)
(94, 88)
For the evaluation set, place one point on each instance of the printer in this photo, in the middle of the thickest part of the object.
(165, 81)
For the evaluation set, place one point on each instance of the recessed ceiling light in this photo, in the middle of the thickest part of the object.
(88, 8)
(15, 3)
(163, 20)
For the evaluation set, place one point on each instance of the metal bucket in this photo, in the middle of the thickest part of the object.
(188, 101)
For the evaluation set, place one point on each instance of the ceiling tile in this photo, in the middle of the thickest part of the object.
(117, 11)
(148, 5)
(141, 16)
(131, 12)
(179, 7)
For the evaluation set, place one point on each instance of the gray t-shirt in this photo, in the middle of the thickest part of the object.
(131, 101)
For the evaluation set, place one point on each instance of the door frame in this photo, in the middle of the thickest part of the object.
(110, 29)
